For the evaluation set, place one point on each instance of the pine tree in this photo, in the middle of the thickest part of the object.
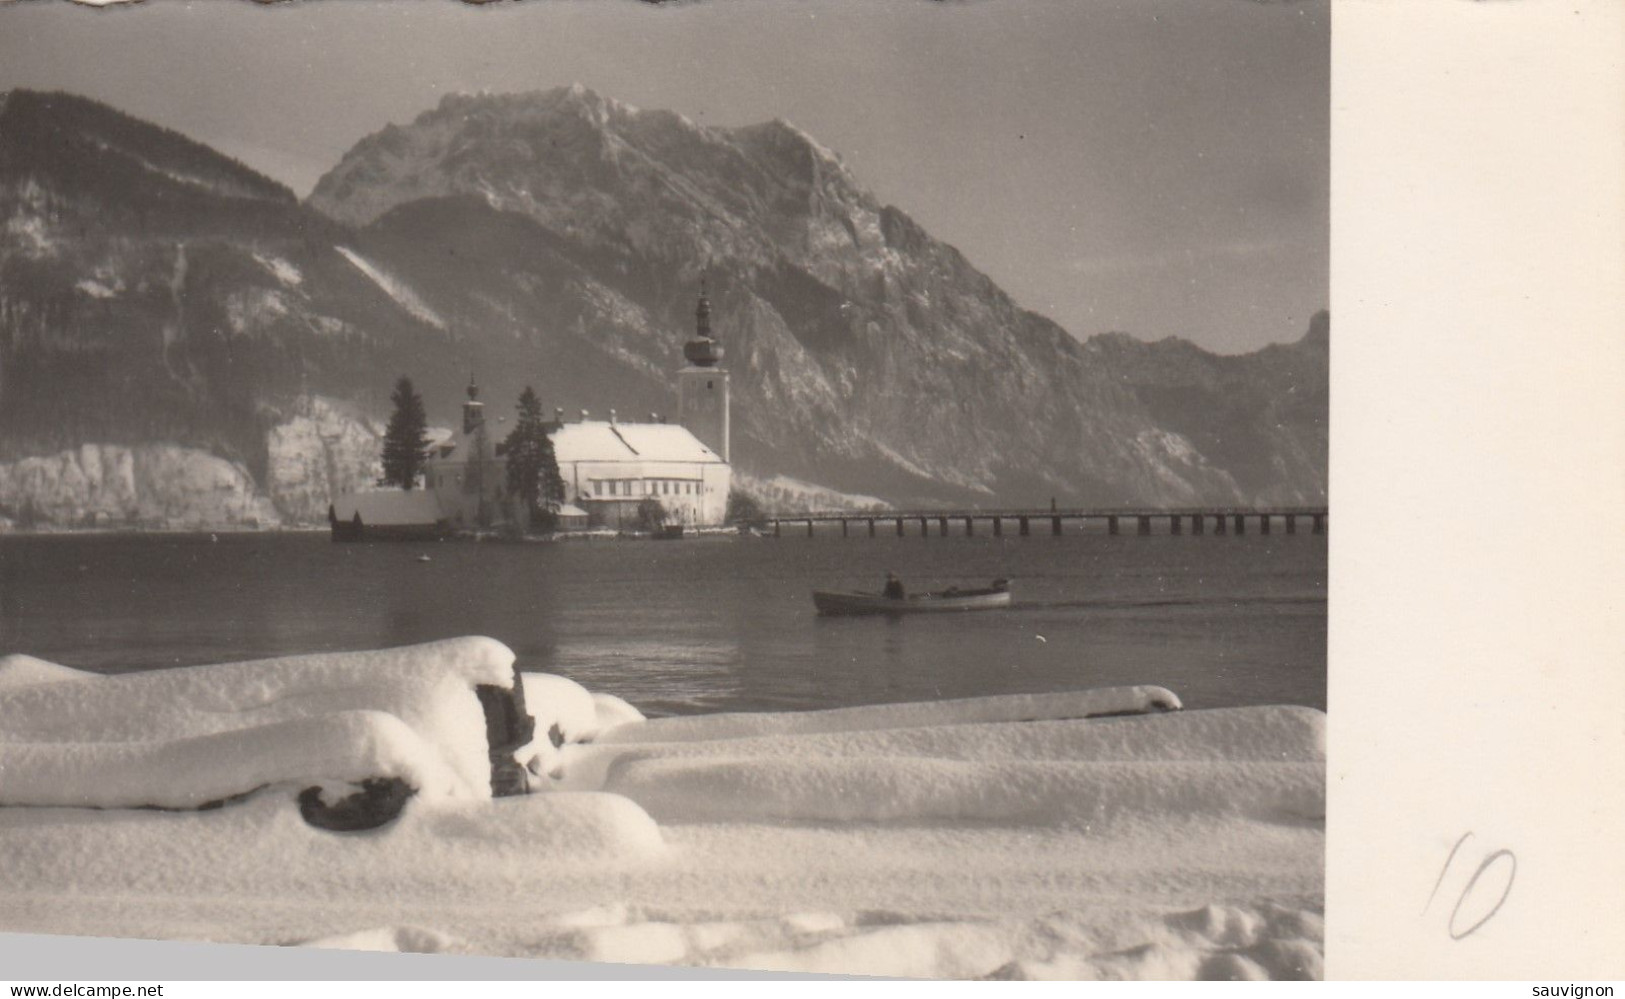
(406, 438)
(652, 515)
(743, 509)
(533, 467)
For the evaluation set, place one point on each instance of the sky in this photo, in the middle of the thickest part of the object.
(1154, 167)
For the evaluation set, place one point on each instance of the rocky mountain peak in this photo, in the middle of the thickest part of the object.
(154, 292)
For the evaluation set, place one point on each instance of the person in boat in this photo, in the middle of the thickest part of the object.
(894, 588)
(1001, 584)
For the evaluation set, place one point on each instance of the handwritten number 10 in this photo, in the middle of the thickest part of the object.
(1472, 883)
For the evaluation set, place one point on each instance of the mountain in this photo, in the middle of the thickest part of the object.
(158, 299)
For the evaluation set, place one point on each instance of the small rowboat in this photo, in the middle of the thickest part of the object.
(838, 602)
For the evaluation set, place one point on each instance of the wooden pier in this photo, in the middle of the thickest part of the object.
(1214, 520)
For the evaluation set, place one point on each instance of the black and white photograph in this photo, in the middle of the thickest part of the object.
(825, 486)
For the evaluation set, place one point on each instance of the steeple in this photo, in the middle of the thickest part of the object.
(702, 386)
(702, 313)
(703, 351)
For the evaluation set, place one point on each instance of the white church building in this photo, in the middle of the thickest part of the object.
(609, 467)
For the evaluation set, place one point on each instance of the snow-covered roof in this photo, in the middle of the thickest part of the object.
(599, 440)
(389, 507)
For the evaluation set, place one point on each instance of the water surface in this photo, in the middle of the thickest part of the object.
(703, 624)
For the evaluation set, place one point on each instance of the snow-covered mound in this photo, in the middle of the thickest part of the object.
(183, 738)
(565, 713)
(1007, 708)
(27, 671)
(1090, 835)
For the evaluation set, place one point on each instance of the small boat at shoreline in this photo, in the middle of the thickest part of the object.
(850, 602)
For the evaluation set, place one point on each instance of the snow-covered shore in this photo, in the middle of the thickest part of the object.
(1004, 837)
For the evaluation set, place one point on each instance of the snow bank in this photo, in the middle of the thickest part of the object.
(346, 746)
(186, 736)
(1277, 733)
(27, 671)
(580, 826)
(390, 939)
(612, 711)
(1006, 708)
(915, 950)
(924, 790)
(578, 714)
(564, 710)
(1092, 835)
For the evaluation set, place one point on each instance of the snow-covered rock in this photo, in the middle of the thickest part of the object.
(1004, 708)
(27, 671)
(564, 710)
(1010, 838)
(185, 737)
(152, 485)
(613, 711)
(339, 747)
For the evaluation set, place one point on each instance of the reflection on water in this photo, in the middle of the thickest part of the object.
(685, 676)
(708, 624)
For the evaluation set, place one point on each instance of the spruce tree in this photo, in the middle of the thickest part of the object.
(533, 467)
(406, 438)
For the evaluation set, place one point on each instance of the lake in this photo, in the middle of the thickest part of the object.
(703, 624)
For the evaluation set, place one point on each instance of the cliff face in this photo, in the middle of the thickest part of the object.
(155, 293)
(153, 486)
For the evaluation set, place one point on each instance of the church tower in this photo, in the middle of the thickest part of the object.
(473, 408)
(702, 386)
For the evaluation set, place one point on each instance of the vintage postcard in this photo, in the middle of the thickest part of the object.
(831, 487)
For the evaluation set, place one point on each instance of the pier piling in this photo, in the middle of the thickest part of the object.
(1111, 525)
(1241, 524)
(1145, 524)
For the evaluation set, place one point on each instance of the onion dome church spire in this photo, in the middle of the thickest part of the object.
(703, 351)
(702, 386)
